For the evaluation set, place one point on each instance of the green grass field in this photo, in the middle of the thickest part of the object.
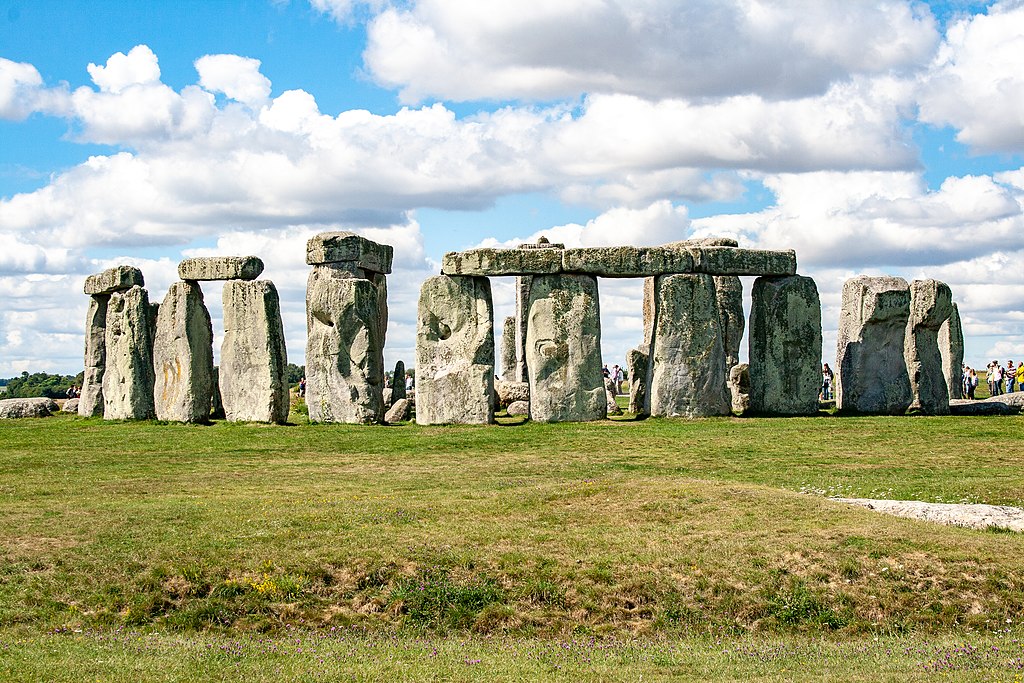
(661, 548)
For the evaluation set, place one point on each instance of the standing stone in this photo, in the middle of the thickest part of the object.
(563, 349)
(871, 369)
(785, 346)
(523, 283)
(729, 293)
(216, 402)
(951, 348)
(183, 356)
(397, 384)
(91, 400)
(931, 304)
(344, 353)
(636, 366)
(609, 392)
(455, 351)
(508, 349)
(128, 377)
(686, 373)
(253, 359)
(739, 388)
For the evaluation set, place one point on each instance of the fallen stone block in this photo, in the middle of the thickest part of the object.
(12, 408)
(116, 279)
(399, 412)
(517, 408)
(965, 406)
(220, 268)
(348, 247)
(510, 392)
(70, 406)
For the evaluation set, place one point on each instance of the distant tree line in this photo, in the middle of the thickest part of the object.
(40, 384)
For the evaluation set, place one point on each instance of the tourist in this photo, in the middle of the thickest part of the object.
(1011, 377)
(1020, 376)
(409, 382)
(965, 380)
(616, 376)
(302, 387)
(827, 376)
(972, 382)
(604, 371)
(997, 378)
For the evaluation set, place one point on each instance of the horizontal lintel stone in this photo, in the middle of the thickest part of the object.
(502, 262)
(627, 261)
(733, 261)
(340, 247)
(220, 268)
(116, 279)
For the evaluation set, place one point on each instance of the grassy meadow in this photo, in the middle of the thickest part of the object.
(614, 550)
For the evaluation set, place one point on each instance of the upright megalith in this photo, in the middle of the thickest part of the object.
(508, 349)
(455, 351)
(872, 370)
(785, 346)
(128, 373)
(563, 349)
(931, 304)
(636, 366)
(729, 294)
(686, 371)
(183, 356)
(344, 350)
(397, 383)
(253, 359)
(346, 322)
(543, 256)
(91, 399)
(951, 348)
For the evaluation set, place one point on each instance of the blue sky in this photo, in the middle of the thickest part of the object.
(872, 138)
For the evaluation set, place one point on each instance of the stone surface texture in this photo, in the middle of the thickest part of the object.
(455, 351)
(686, 373)
(871, 371)
(612, 404)
(563, 350)
(253, 359)
(348, 247)
(951, 349)
(486, 261)
(626, 261)
(399, 412)
(70, 405)
(785, 346)
(508, 349)
(397, 384)
(216, 401)
(116, 279)
(931, 304)
(183, 356)
(636, 366)
(739, 388)
(128, 375)
(733, 261)
(729, 294)
(971, 516)
(220, 268)
(510, 392)
(12, 408)
(965, 406)
(91, 400)
(517, 408)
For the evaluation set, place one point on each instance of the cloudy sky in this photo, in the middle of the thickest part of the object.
(882, 137)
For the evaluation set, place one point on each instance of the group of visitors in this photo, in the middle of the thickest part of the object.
(617, 374)
(74, 391)
(1000, 380)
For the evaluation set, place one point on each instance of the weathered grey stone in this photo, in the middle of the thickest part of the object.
(397, 384)
(686, 373)
(729, 294)
(626, 261)
(517, 408)
(12, 408)
(951, 348)
(183, 356)
(931, 304)
(216, 400)
(455, 351)
(785, 346)
(91, 399)
(739, 388)
(128, 377)
(563, 349)
(339, 247)
(611, 403)
(706, 242)
(636, 366)
(482, 262)
(510, 392)
(116, 279)
(381, 283)
(386, 396)
(735, 261)
(871, 369)
(344, 354)
(508, 349)
(220, 268)
(522, 314)
(70, 405)
(253, 359)
(965, 406)
(1015, 399)
(399, 412)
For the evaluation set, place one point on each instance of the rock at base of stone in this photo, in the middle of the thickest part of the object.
(220, 268)
(91, 398)
(563, 350)
(344, 349)
(729, 294)
(510, 392)
(508, 349)
(739, 388)
(397, 384)
(636, 366)
(785, 346)
(686, 373)
(931, 304)
(609, 392)
(951, 348)
(12, 408)
(116, 279)
(455, 351)
(399, 412)
(871, 370)
(128, 377)
(70, 406)
(183, 356)
(253, 359)
(518, 408)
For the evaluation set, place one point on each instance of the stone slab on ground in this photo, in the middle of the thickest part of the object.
(971, 516)
(116, 279)
(510, 392)
(220, 268)
(12, 408)
(517, 408)
(993, 406)
(342, 247)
